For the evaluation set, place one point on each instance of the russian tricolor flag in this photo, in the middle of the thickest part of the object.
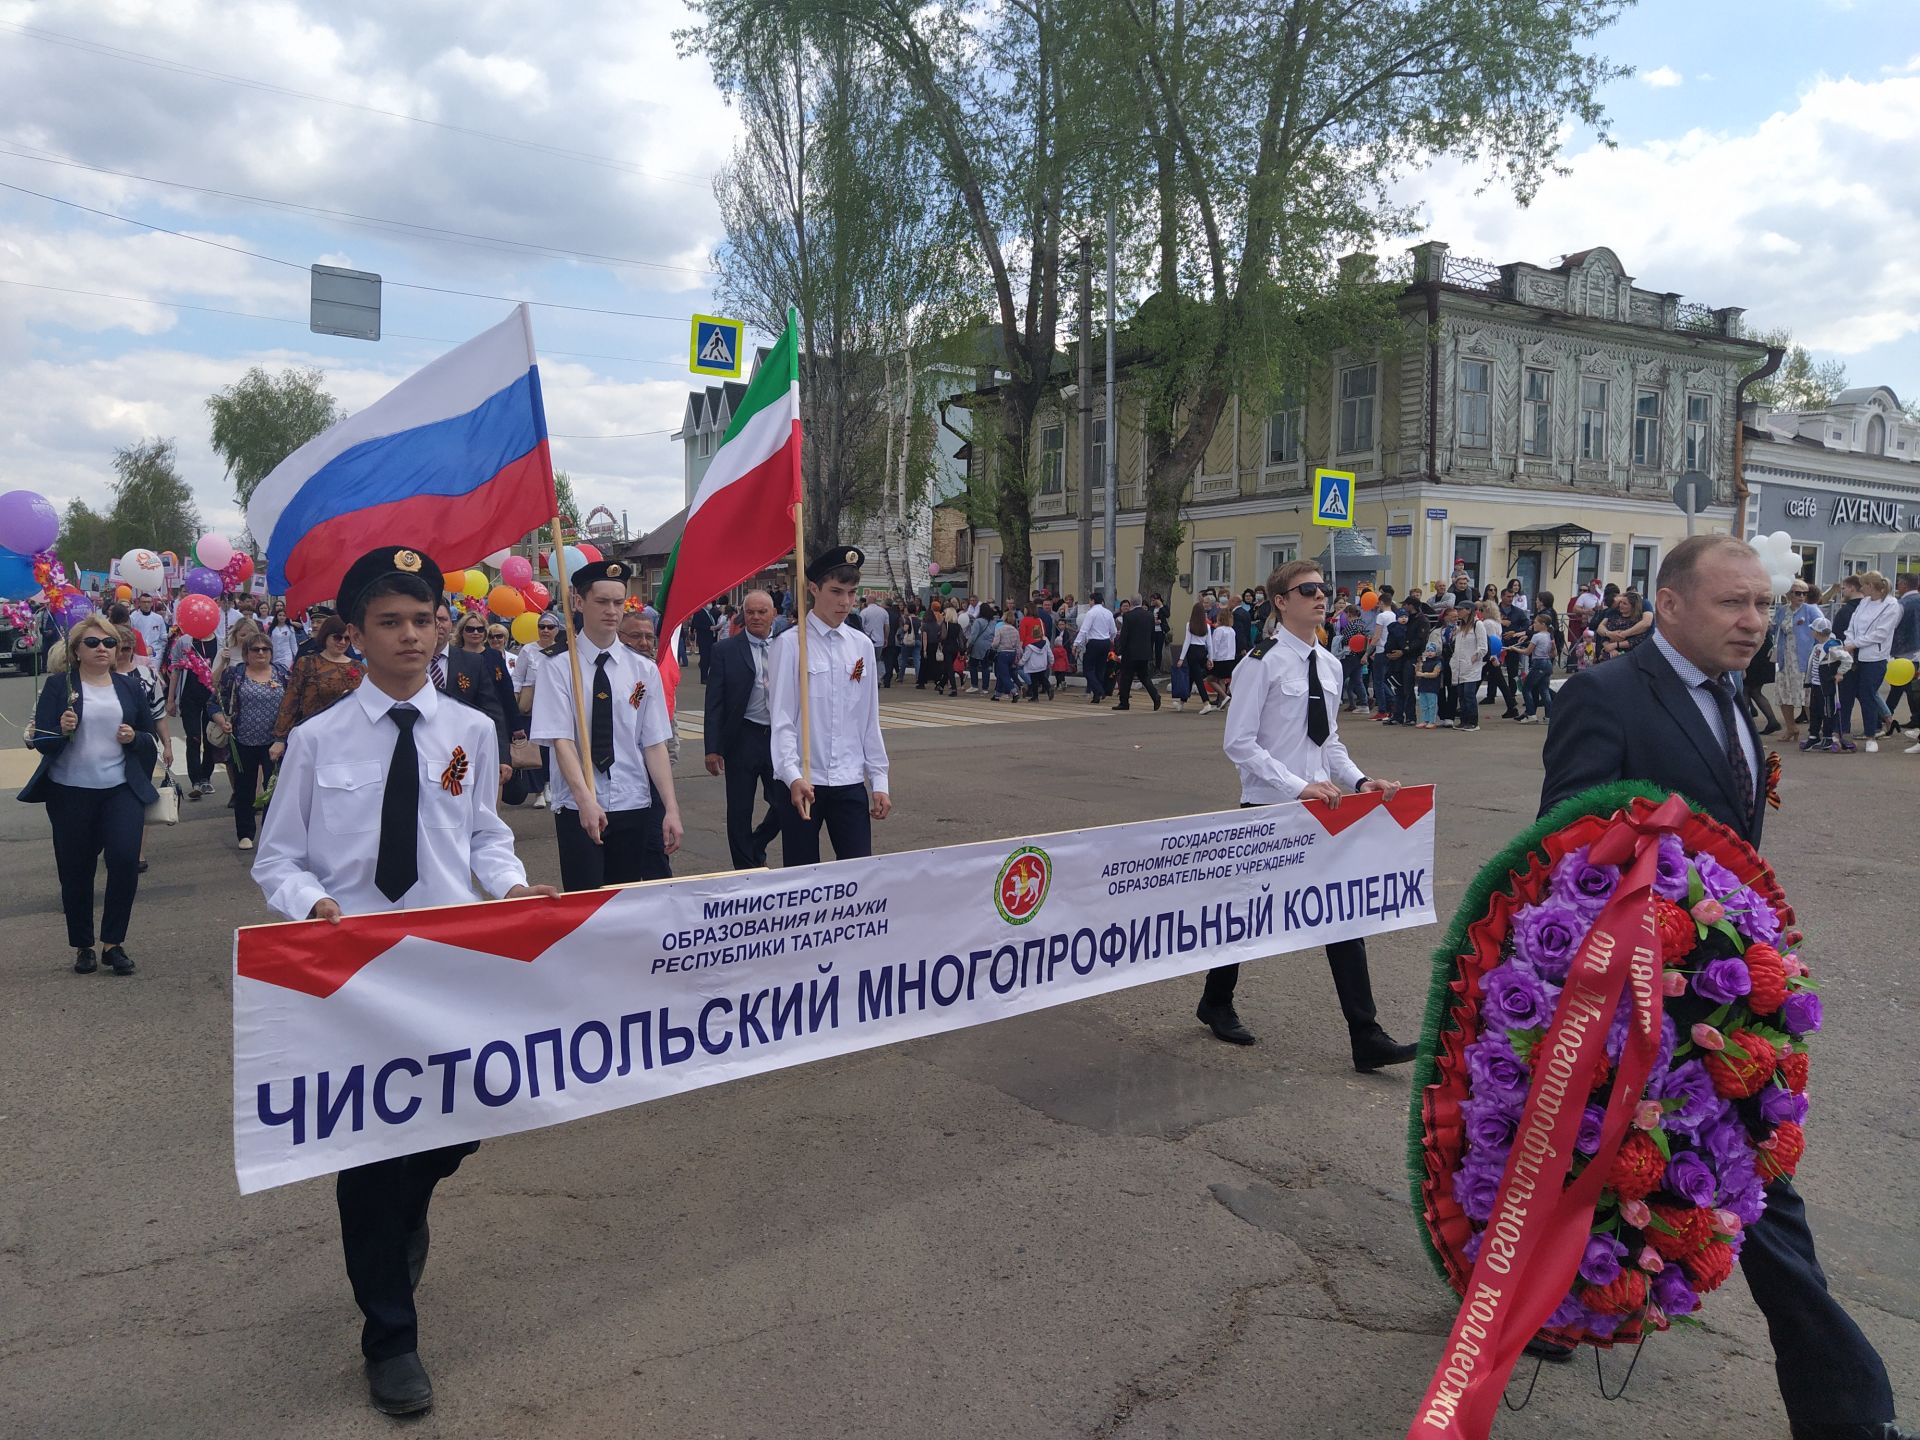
(453, 459)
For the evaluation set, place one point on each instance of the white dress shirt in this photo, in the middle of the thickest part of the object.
(639, 720)
(1221, 645)
(759, 710)
(1096, 623)
(1266, 734)
(844, 745)
(1692, 676)
(152, 628)
(1870, 632)
(526, 666)
(322, 835)
(93, 757)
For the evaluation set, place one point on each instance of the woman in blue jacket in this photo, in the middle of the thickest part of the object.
(95, 734)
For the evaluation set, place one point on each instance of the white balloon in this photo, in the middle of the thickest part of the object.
(144, 571)
(496, 559)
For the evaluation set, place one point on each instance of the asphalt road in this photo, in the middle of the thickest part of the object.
(1093, 1222)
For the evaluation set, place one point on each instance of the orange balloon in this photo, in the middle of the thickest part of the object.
(506, 601)
(1369, 601)
(123, 592)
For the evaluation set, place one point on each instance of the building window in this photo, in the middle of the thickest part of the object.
(1053, 459)
(1809, 562)
(1471, 550)
(1593, 419)
(1356, 408)
(1275, 553)
(1100, 575)
(1645, 560)
(1099, 475)
(1646, 428)
(1213, 565)
(1700, 433)
(1046, 574)
(1283, 434)
(1476, 404)
(1536, 413)
(1586, 566)
(1877, 435)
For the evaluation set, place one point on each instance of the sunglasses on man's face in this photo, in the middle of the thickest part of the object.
(1309, 588)
(99, 642)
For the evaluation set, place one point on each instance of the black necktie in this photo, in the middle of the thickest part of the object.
(1736, 752)
(1317, 727)
(398, 866)
(602, 733)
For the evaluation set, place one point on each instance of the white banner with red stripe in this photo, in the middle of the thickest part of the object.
(401, 1031)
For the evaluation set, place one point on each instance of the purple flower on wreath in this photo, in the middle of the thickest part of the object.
(1617, 1031)
(1777, 1104)
(1689, 1083)
(1670, 869)
(1718, 881)
(1720, 982)
(1802, 1013)
(1546, 936)
(1673, 1294)
(1689, 1178)
(1490, 1124)
(1584, 885)
(1477, 1186)
(1754, 917)
(1514, 999)
(1569, 1312)
(1471, 1250)
(1601, 1325)
(1749, 1203)
(1601, 1263)
(1592, 1119)
(1669, 1037)
(1495, 1071)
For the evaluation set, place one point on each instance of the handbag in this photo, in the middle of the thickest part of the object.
(524, 755)
(165, 806)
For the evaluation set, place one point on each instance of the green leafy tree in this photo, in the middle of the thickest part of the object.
(1802, 382)
(261, 419)
(152, 505)
(563, 493)
(86, 538)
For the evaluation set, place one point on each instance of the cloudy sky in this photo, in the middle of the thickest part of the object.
(1764, 160)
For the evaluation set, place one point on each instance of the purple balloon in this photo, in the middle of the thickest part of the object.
(202, 581)
(28, 522)
(76, 609)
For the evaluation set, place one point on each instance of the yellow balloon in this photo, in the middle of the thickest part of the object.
(476, 585)
(526, 627)
(505, 601)
(1900, 672)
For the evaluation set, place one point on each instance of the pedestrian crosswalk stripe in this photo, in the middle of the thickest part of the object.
(929, 715)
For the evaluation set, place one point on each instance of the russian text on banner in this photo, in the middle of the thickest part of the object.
(454, 458)
(388, 1034)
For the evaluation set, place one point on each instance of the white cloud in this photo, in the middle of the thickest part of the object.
(1664, 78)
(1801, 219)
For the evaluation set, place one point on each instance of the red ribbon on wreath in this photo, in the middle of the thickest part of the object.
(1540, 1225)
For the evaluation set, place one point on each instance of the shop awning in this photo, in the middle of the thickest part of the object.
(1348, 553)
(1890, 542)
(1564, 540)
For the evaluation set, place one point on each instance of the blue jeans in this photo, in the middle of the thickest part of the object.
(1863, 683)
(1003, 672)
(1381, 668)
(1429, 706)
(1467, 702)
(1539, 687)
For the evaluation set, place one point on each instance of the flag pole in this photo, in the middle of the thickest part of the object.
(573, 662)
(800, 586)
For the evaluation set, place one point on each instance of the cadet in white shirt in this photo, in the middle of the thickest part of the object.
(384, 802)
(1095, 636)
(845, 752)
(625, 826)
(1284, 740)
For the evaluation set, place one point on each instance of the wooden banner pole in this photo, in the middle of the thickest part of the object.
(573, 662)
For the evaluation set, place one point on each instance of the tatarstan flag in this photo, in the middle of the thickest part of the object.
(741, 519)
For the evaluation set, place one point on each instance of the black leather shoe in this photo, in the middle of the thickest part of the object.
(1156, 702)
(1224, 1023)
(1872, 1430)
(1551, 1351)
(1122, 707)
(399, 1386)
(84, 963)
(417, 1255)
(117, 960)
(1378, 1049)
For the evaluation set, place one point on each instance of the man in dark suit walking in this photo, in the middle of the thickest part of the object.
(1135, 646)
(1670, 713)
(739, 731)
(701, 626)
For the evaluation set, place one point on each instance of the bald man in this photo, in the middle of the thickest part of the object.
(739, 731)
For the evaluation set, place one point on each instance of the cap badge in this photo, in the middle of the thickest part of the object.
(406, 560)
(614, 572)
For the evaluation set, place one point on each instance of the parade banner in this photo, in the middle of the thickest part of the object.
(396, 1032)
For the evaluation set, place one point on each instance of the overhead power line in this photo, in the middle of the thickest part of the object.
(296, 265)
(374, 222)
(157, 62)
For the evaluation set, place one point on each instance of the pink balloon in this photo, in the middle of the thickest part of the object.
(214, 551)
(933, 567)
(517, 571)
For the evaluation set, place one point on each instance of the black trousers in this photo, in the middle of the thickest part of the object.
(380, 1206)
(842, 809)
(1094, 660)
(193, 723)
(1403, 700)
(250, 770)
(87, 824)
(631, 848)
(1500, 682)
(749, 775)
(1132, 670)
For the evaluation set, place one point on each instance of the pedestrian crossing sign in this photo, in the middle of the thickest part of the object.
(1333, 498)
(715, 346)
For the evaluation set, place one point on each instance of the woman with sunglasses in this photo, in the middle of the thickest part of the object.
(477, 676)
(246, 708)
(527, 669)
(94, 731)
(316, 682)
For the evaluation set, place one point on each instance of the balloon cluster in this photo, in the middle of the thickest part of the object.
(1777, 554)
(28, 527)
(516, 599)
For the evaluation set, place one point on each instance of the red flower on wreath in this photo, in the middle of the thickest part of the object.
(1769, 971)
(1692, 1229)
(1780, 1153)
(1638, 1168)
(1708, 1269)
(1793, 1070)
(1734, 1078)
(1678, 933)
(1622, 1295)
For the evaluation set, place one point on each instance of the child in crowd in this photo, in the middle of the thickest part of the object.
(1540, 648)
(1831, 660)
(1035, 661)
(1428, 676)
